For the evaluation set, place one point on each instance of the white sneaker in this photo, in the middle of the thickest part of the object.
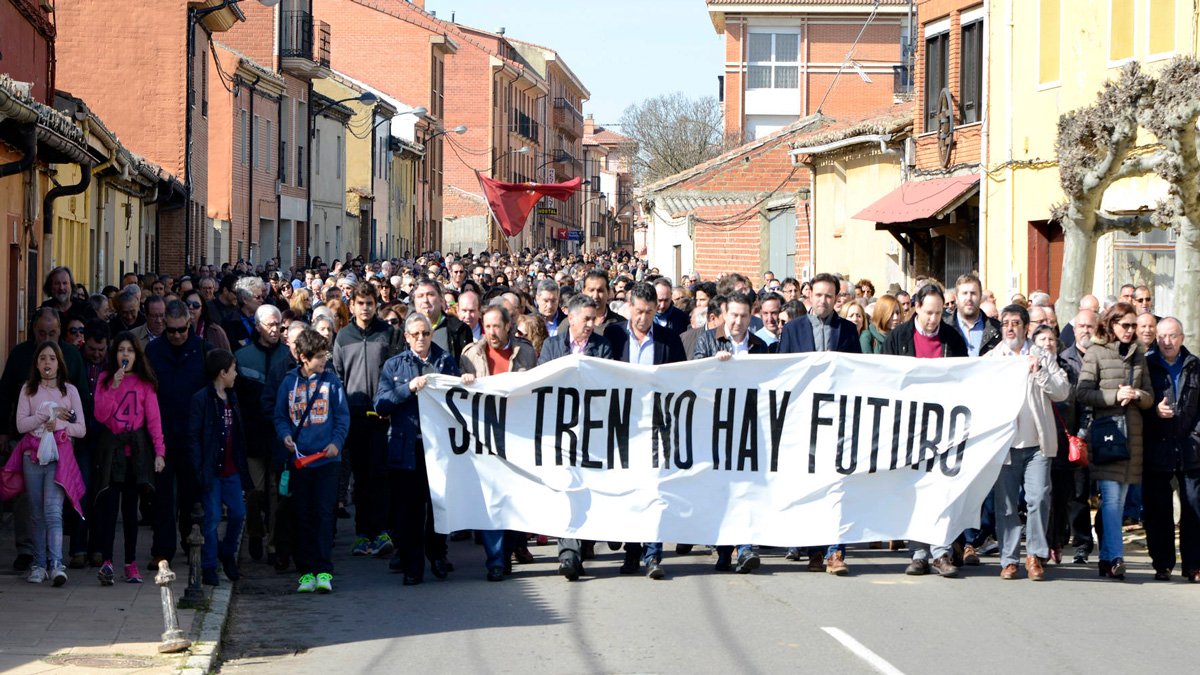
(58, 575)
(36, 574)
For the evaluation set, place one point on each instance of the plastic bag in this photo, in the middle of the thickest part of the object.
(48, 446)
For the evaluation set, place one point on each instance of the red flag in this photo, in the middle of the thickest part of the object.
(511, 202)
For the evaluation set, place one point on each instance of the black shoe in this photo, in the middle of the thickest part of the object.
(78, 561)
(683, 549)
(748, 562)
(589, 550)
(410, 580)
(723, 563)
(22, 563)
(1162, 575)
(508, 567)
(569, 566)
(230, 566)
(614, 546)
(449, 565)
(256, 548)
(440, 568)
(460, 535)
(1080, 558)
(655, 571)
(342, 513)
(209, 577)
(632, 564)
(152, 566)
(396, 564)
(495, 574)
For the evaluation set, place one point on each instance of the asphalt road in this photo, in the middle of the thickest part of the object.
(778, 619)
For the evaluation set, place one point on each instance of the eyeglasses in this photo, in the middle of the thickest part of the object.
(75, 331)
(393, 322)
(176, 331)
(419, 333)
(194, 305)
(1142, 300)
(1128, 326)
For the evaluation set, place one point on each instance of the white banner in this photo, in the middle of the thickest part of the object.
(788, 450)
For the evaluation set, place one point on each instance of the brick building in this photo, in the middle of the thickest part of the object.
(934, 215)
(782, 59)
(161, 108)
(609, 206)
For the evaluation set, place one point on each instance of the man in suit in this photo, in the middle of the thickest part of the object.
(668, 315)
(156, 312)
(577, 337)
(642, 342)
(821, 330)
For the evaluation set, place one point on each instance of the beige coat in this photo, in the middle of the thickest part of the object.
(474, 357)
(1103, 372)
(1049, 384)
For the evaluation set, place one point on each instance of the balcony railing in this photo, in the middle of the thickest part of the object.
(296, 35)
(567, 118)
(525, 125)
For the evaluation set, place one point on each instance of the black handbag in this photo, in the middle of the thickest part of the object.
(1109, 440)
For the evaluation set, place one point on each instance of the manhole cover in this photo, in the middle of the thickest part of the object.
(102, 661)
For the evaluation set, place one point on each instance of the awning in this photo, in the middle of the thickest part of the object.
(921, 199)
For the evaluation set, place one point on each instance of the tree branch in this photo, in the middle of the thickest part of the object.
(1133, 224)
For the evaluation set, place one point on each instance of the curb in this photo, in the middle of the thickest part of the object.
(206, 633)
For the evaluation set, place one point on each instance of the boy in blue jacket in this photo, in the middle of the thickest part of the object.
(312, 417)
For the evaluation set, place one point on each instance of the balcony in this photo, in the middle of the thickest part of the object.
(303, 45)
(565, 165)
(524, 125)
(567, 118)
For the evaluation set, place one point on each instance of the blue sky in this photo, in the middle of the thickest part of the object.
(623, 50)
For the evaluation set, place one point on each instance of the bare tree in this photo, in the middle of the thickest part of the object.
(672, 133)
(1098, 145)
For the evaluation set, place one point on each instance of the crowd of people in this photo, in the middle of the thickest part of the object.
(280, 400)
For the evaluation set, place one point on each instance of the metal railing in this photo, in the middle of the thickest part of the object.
(296, 35)
(525, 125)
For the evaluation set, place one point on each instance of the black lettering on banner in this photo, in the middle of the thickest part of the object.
(618, 426)
(588, 425)
(929, 444)
(540, 414)
(748, 444)
(912, 436)
(897, 414)
(777, 412)
(817, 423)
(876, 417)
(568, 417)
(660, 436)
(723, 425)
(684, 460)
(495, 417)
(963, 412)
(853, 440)
(475, 424)
(460, 438)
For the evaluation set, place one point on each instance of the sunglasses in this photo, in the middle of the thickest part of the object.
(194, 305)
(1128, 326)
(75, 331)
(177, 331)
(420, 333)
(393, 322)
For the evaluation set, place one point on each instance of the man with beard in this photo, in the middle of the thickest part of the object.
(58, 288)
(262, 353)
(1027, 467)
(178, 361)
(980, 332)
(495, 353)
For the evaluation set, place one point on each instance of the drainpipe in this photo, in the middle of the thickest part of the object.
(187, 142)
(308, 162)
(85, 179)
(250, 171)
(279, 174)
(983, 227)
(28, 152)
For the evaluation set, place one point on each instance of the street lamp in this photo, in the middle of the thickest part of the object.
(523, 150)
(201, 13)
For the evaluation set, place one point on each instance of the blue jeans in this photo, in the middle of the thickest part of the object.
(1133, 503)
(1112, 505)
(45, 511)
(227, 491)
(987, 522)
(1030, 469)
(499, 545)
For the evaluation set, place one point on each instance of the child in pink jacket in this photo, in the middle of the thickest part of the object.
(48, 405)
(130, 450)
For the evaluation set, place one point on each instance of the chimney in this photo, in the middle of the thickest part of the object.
(589, 125)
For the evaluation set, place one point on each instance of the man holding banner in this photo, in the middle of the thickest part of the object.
(643, 342)
(926, 336)
(578, 338)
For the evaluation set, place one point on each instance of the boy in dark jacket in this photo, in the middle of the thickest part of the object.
(217, 447)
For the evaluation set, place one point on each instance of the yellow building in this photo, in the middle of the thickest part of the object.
(1046, 58)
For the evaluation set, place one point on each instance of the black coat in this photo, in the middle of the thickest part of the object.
(900, 341)
(798, 337)
(560, 345)
(717, 340)
(1173, 444)
(991, 332)
(206, 438)
(667, 346)
(675, 320)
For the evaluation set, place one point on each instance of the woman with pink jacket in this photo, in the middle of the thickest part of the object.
(48, 404)
(130, 449)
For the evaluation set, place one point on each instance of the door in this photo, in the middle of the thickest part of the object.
(781, 242)
(1046, 241)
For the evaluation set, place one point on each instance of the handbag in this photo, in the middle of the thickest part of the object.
(1077, 447)
(1109, 440)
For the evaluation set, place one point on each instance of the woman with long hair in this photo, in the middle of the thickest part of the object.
(208, 331)
(532, 328)
(1114, 382)
(130, 450)
(855, 314)
(884, 318)
(301, 303)
(48, 404)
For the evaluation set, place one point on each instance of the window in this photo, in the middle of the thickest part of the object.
(301, 137)
(266, 145)
(971, 73)
(1049, 39)
(1162, 26)
(772, 61)
(285, 133)
(245, 131)
(937, 75)
(1121, 30)
(339, 156)
(258, 152)
(317, 149)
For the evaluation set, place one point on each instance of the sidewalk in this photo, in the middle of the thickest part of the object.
(83, 627)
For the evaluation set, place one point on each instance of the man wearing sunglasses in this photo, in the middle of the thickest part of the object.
(178, 361)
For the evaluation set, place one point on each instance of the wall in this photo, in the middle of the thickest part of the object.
(329, 187)
(844, 183)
